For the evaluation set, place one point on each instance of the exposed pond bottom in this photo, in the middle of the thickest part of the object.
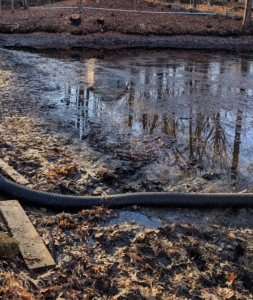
(100, 123)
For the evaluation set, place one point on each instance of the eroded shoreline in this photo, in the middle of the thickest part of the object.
(40, 40)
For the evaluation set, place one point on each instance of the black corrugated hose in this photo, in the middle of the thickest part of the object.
(38, 198)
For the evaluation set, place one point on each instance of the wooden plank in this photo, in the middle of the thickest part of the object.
(32, 248)
(14, 175)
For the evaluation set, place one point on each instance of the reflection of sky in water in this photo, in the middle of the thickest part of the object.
(139, 218)
(203, 106)
(200, 104)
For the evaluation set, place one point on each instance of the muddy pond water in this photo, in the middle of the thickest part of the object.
(167, 119)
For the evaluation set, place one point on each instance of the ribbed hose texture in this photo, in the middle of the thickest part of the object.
(44, 199)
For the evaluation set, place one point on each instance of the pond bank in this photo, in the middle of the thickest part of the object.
(137, 253)
(100, 133)
(39, 40)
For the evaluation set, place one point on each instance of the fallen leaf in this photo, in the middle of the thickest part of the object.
(155, 249)
(101, 170)
(226, 293)
(29, 257)
(65, 223)
(106, 284)
(180, 284)
(52, 175)
(48, 274)
(96, 268)
(148, 266)
(135, 256)
(62, 222)
(230, 278)
(208, 295)
(69, 170)
(118, 295)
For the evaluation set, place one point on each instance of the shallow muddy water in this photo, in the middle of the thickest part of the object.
(166, 118)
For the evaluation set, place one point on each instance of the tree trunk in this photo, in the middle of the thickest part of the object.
(81, 5)
(24, 3)
(12, 6)
(0, 8)
(194, 3)
(247, 15)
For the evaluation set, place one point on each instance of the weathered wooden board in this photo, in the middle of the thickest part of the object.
(32, 248)
(14, 175)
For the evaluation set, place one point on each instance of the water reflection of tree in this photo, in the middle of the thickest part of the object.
(131, 92)
(219, 141)
(245, 67)
(199, 132)
(207, 143)
(237, 142)
(207, 140)
(82, 98)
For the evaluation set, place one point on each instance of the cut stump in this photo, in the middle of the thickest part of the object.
(101, 21)
(75, 20)
(32, 248)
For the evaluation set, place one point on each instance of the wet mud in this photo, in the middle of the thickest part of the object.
(98, 121)
(111, 40)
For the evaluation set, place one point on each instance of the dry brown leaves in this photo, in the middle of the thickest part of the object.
(124, 262)
(54, 173)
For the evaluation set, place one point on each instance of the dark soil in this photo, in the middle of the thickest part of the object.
(40, 19)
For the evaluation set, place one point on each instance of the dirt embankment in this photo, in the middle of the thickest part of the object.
(160, 24)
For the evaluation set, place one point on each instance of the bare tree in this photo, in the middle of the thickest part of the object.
(247, 15)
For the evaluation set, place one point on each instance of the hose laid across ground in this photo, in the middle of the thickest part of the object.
(34, 197)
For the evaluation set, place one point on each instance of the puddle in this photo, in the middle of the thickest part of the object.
(90, 241)
(175, 114)
(139, 218)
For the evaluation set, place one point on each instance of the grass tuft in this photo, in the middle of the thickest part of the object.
(8, 245)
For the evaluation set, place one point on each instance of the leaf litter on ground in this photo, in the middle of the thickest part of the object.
(96, 260)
